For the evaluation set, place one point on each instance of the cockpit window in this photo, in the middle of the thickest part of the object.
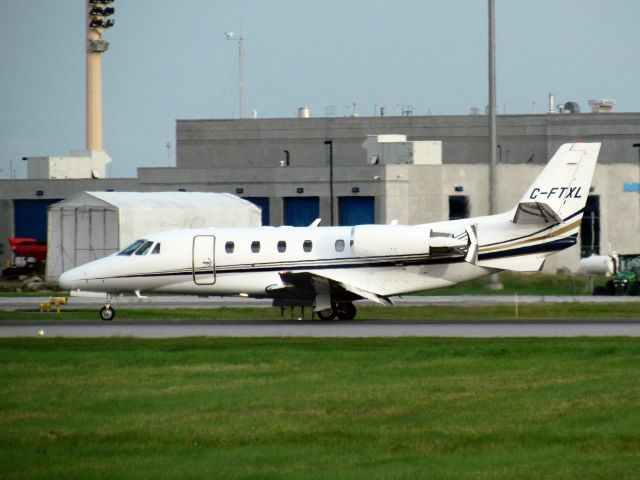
(144, 248)
(132, 247)
(156, 249)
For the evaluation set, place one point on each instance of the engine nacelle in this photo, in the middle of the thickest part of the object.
(384, 240)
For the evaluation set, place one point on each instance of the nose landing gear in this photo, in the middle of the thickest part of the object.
(107, 313)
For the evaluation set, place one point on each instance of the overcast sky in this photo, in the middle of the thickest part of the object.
(169, 59)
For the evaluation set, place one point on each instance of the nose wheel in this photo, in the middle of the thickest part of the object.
(107, 313)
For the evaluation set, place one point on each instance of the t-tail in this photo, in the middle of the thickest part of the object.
(547, 218)
(560, 192)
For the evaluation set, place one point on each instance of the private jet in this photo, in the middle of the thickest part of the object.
(329, 268)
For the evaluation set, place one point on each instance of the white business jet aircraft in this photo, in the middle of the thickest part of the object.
(331, 267)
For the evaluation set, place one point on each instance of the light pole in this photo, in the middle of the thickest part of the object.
(637, 145)
(492, 109)
(96, 22)
(494, 280)
(231, 36)
(328, 145)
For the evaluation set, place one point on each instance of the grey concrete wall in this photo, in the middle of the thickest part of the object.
(262, 142)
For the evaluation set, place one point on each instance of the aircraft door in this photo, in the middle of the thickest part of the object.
(203, 260)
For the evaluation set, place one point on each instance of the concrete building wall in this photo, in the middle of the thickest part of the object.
(262, 142)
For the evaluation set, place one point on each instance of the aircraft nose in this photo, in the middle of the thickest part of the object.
(68, 280)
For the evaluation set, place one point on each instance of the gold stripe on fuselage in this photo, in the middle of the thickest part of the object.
(530, 240)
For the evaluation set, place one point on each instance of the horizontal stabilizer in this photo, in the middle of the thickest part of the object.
(532, 263)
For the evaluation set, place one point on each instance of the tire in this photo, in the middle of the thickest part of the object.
(346, 311)
(327, 314)
(107, 314)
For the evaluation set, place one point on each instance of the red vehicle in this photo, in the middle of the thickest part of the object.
(28, 247)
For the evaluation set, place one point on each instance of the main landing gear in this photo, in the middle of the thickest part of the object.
(343, 311)
(107, 313)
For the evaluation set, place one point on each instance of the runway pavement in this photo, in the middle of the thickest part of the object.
(171, 301)
(293, 328)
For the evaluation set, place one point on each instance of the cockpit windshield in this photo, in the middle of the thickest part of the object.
(132, 247)
(141, 247)
(144, 248)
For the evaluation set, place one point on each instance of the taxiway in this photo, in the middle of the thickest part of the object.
(293, 328)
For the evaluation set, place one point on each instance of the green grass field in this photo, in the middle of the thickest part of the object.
(306, 408)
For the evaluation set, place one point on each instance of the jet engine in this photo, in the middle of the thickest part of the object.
(387, 240)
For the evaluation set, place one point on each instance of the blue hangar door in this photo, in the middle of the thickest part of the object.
(356, 211)
(301, 211)
(263, 203)
(30, 218)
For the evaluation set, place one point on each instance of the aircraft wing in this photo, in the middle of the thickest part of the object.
(324, 288)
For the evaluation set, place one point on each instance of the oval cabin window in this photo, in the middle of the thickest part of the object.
(339, 245)
(229, 247)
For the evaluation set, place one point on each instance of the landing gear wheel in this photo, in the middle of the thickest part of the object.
(327, 314)
(346, 311)
(107, 313)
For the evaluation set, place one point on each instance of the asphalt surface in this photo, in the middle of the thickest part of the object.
(293, 328)
(171, 301)
(480, 328)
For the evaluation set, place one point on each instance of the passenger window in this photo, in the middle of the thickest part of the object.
(229, 247)
(282, 246)
(339, 245)
(144, 248)
(255, 246)
(307, 246)
(156, 249)
(132, 247)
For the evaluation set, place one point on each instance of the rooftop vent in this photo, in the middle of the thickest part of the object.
(601, 105)
(571, 107)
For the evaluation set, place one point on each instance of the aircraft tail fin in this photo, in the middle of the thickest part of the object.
(562, 188)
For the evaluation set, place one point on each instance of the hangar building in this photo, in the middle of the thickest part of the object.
(92, 225)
